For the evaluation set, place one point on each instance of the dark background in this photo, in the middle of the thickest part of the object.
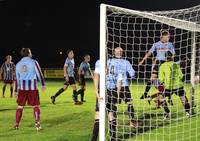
(51, 27)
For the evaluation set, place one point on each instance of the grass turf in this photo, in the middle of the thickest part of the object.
(67, 122)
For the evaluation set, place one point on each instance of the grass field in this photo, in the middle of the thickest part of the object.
(66, 122)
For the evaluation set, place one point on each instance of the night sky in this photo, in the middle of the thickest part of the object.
(49, 27)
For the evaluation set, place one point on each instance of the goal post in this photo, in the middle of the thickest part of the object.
(136, 32)
(102, 88)
(192, 72)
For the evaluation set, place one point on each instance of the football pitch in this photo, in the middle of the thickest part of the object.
(67, 122)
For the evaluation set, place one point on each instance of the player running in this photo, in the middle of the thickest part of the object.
(127, 73)
(7, 74)
(171, 76)
(27, 72)
(83, 69)
(69, 79)
(160, 48)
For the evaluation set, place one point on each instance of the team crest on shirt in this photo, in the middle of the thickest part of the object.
(24, 68)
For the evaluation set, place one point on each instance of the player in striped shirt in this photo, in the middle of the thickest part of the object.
(26, 89)
(82, 71)
(7, 74)
(159, 48)
(69, 79)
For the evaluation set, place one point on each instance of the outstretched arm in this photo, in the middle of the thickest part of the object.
(147, 55)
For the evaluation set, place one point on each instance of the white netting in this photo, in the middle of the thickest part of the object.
(135, 32)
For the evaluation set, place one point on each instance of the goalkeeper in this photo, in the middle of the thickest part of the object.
(171, 76)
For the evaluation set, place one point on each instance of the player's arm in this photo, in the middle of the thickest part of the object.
(172, 50)
(1, 72)
(96, 84)
(39, 75)
(161, 75)
(65, 72)
(91, 73)
(16, 82)
(147, 55)
(14, 70)
(130, 70)
(180, 74)
(119, 83)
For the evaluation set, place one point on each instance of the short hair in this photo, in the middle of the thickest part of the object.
(164, 33)
(86, 55)
(68, 51)
(8, 56)
(25, 52)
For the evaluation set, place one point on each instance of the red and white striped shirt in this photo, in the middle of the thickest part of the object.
(27, 73)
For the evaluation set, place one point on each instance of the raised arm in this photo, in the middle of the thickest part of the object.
(147, 55)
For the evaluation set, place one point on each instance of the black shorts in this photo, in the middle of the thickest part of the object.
(70, 82)
(82, 80)
(112, 100)
(125, 94)
(97, 106)
(155, 67)
(178, 92)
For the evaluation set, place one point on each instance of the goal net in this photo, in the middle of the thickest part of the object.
(136, 32)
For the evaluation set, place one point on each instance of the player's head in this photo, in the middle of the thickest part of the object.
(8, 58)
(87, 58)
(26, 52)
(118, 52)
(70, 54)
(165, 36)
(169, 56)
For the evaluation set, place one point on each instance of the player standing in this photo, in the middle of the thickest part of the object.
(113, 86)
(113, 89)
(160, 48)
(83, 69)
(96, 80)
(171, 76)
(125, 94)
(27, 72)
(7, 74)
(69, 79)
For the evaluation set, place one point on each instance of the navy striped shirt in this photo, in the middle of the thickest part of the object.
(8, 71)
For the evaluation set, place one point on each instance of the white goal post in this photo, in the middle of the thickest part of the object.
(117, 27)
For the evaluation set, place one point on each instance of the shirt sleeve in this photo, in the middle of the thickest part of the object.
(180, 74)
(66, 62)
(172, 49)
(130, 70)
(81, 66)
(153, 48)
(39, 73)
(97, 67)
(17, 79)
